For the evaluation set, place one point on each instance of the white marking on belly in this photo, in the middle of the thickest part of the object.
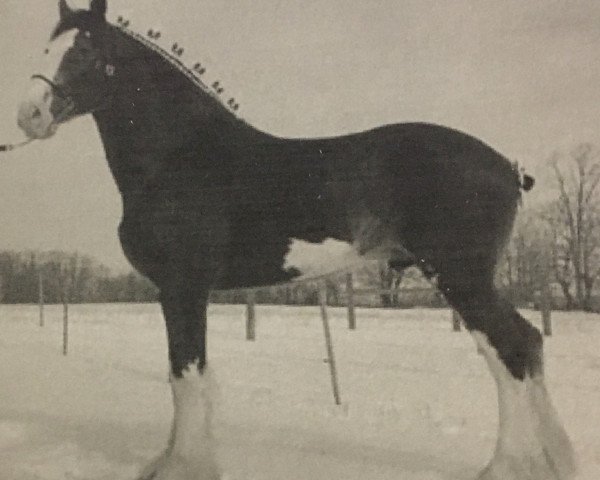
(316, 259)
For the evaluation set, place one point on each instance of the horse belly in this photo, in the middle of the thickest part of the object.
(297, 259)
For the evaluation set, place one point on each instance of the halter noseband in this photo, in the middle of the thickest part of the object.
(59, 90)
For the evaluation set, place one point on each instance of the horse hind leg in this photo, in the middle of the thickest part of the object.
(531, 443)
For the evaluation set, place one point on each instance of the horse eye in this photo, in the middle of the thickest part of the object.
(46, 51)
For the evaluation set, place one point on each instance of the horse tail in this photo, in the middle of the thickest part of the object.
(526, 182)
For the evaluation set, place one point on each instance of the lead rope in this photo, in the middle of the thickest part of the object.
(8, 147)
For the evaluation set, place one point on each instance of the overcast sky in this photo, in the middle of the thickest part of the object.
(521, 75)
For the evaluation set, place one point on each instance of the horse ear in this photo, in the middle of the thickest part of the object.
(98, 8)
(63, 8)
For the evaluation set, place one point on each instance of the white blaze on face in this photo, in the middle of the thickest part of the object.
(55, 52)
(34, 116)
(316, 259)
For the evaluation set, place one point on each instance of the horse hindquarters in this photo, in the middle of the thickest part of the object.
(531, 444)
(190, 454)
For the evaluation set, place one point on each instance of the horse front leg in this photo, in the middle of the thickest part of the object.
(190, 453)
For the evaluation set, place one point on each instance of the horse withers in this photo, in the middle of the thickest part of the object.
(211, 202)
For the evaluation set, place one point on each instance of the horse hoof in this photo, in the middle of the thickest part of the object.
(147, 476)
(174, 467)
(537, 467)
(150, 471)
(151, 476)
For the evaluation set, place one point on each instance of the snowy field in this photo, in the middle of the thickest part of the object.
(418, 401)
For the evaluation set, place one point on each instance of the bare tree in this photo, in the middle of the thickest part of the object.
(560, 253)
(575, 220)
(524, 270)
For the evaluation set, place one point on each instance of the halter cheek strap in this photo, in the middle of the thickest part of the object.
(58, 89)
(63, 92)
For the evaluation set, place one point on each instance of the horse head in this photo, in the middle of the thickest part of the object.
(75, 75)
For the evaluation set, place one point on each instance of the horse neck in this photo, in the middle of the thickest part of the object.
(158, 117)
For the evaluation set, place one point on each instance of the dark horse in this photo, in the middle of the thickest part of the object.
(211, 202)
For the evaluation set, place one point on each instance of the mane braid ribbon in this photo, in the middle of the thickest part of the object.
(175, 62)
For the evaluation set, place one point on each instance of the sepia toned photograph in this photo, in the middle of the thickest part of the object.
(283, 239)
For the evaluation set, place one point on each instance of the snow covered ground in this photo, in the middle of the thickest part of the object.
(418, 402)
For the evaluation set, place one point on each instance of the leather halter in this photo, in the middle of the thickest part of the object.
(57, 89)
(63, 91)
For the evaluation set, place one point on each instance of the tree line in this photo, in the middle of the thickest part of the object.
(79, 278)
(67, 276)
(554, 252)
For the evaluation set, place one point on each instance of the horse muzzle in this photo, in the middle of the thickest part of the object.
(35, 117)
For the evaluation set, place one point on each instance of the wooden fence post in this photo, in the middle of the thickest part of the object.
(65, 323)
(350, 302)
(41, 297)
(456, 319)
(329, 344)
(250, 316)
(546, 308)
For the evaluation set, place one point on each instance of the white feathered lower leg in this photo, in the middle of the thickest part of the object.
(531, 445)
(191, 453)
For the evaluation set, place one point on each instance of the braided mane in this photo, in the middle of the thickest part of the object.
(192, 74)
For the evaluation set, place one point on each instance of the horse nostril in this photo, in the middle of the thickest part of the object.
(36, 113)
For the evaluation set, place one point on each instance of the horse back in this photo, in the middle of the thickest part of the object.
(401, 191)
